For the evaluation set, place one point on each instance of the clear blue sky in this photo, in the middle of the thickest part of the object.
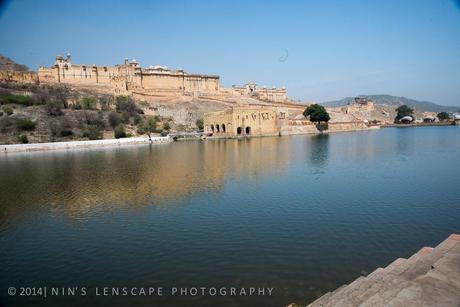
(320, 50)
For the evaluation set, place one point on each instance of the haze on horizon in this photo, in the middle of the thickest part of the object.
(319, 50)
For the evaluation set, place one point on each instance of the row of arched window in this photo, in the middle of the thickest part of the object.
(218, 128)
(222, 129)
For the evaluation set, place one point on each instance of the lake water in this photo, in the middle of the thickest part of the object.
(301, 214)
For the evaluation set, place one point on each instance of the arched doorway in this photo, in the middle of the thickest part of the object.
(239, 130)
(212, 128)
(223, 127)
(248, 130)
(217, 128)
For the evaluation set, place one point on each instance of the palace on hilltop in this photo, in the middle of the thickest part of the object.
(130, 78)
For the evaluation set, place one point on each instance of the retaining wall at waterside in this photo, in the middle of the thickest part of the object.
(82, 144)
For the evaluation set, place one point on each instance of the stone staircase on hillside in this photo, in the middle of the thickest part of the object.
(431, 277)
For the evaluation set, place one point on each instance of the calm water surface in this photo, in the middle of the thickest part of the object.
(302, 214)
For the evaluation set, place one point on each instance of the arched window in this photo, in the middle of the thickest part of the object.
(223, 127)
(217, 128)
(212, 128)
(248, 130)
(239, 130)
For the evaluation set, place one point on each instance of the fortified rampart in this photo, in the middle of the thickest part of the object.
(130, 78)
(18, 76)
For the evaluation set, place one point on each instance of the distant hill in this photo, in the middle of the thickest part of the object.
(420, 106)
(8, 64)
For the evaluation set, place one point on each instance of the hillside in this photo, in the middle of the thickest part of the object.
(31, 113)
(8, 64)
(388, 100)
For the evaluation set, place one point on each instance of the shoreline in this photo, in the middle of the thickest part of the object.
(69, 145)
(34, 147)
(449, 123)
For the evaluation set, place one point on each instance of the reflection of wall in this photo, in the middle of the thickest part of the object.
(76, 182)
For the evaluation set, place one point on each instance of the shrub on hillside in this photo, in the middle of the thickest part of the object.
(60, 127)
(137, 119)
(8, 110)
(92, 132)
(125, 117)
(18, 99)
(92, 118)
(6, 123)
(114, 119)
(53, 108)
(76, 106)
(23, 139)
(105, 102)
(89, 103)
(25, 124)
(66, 132)
(199, 124)
(119, 132)
(61, 94)
(147, 126)
(126, 104)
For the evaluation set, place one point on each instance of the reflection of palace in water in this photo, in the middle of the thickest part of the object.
(76, 182)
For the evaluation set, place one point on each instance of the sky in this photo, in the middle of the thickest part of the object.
(320, 50)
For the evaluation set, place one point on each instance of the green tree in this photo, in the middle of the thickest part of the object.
(199, 124)
(443, 116)
(317, 113)
(403, 111)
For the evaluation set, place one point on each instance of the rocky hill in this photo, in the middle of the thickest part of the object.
(394, 101)
(8, 64)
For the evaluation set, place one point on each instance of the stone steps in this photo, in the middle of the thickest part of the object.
(421, 267)
(430, 277)
(394, 271)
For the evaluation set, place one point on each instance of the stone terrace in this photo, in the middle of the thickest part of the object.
(431, 277)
